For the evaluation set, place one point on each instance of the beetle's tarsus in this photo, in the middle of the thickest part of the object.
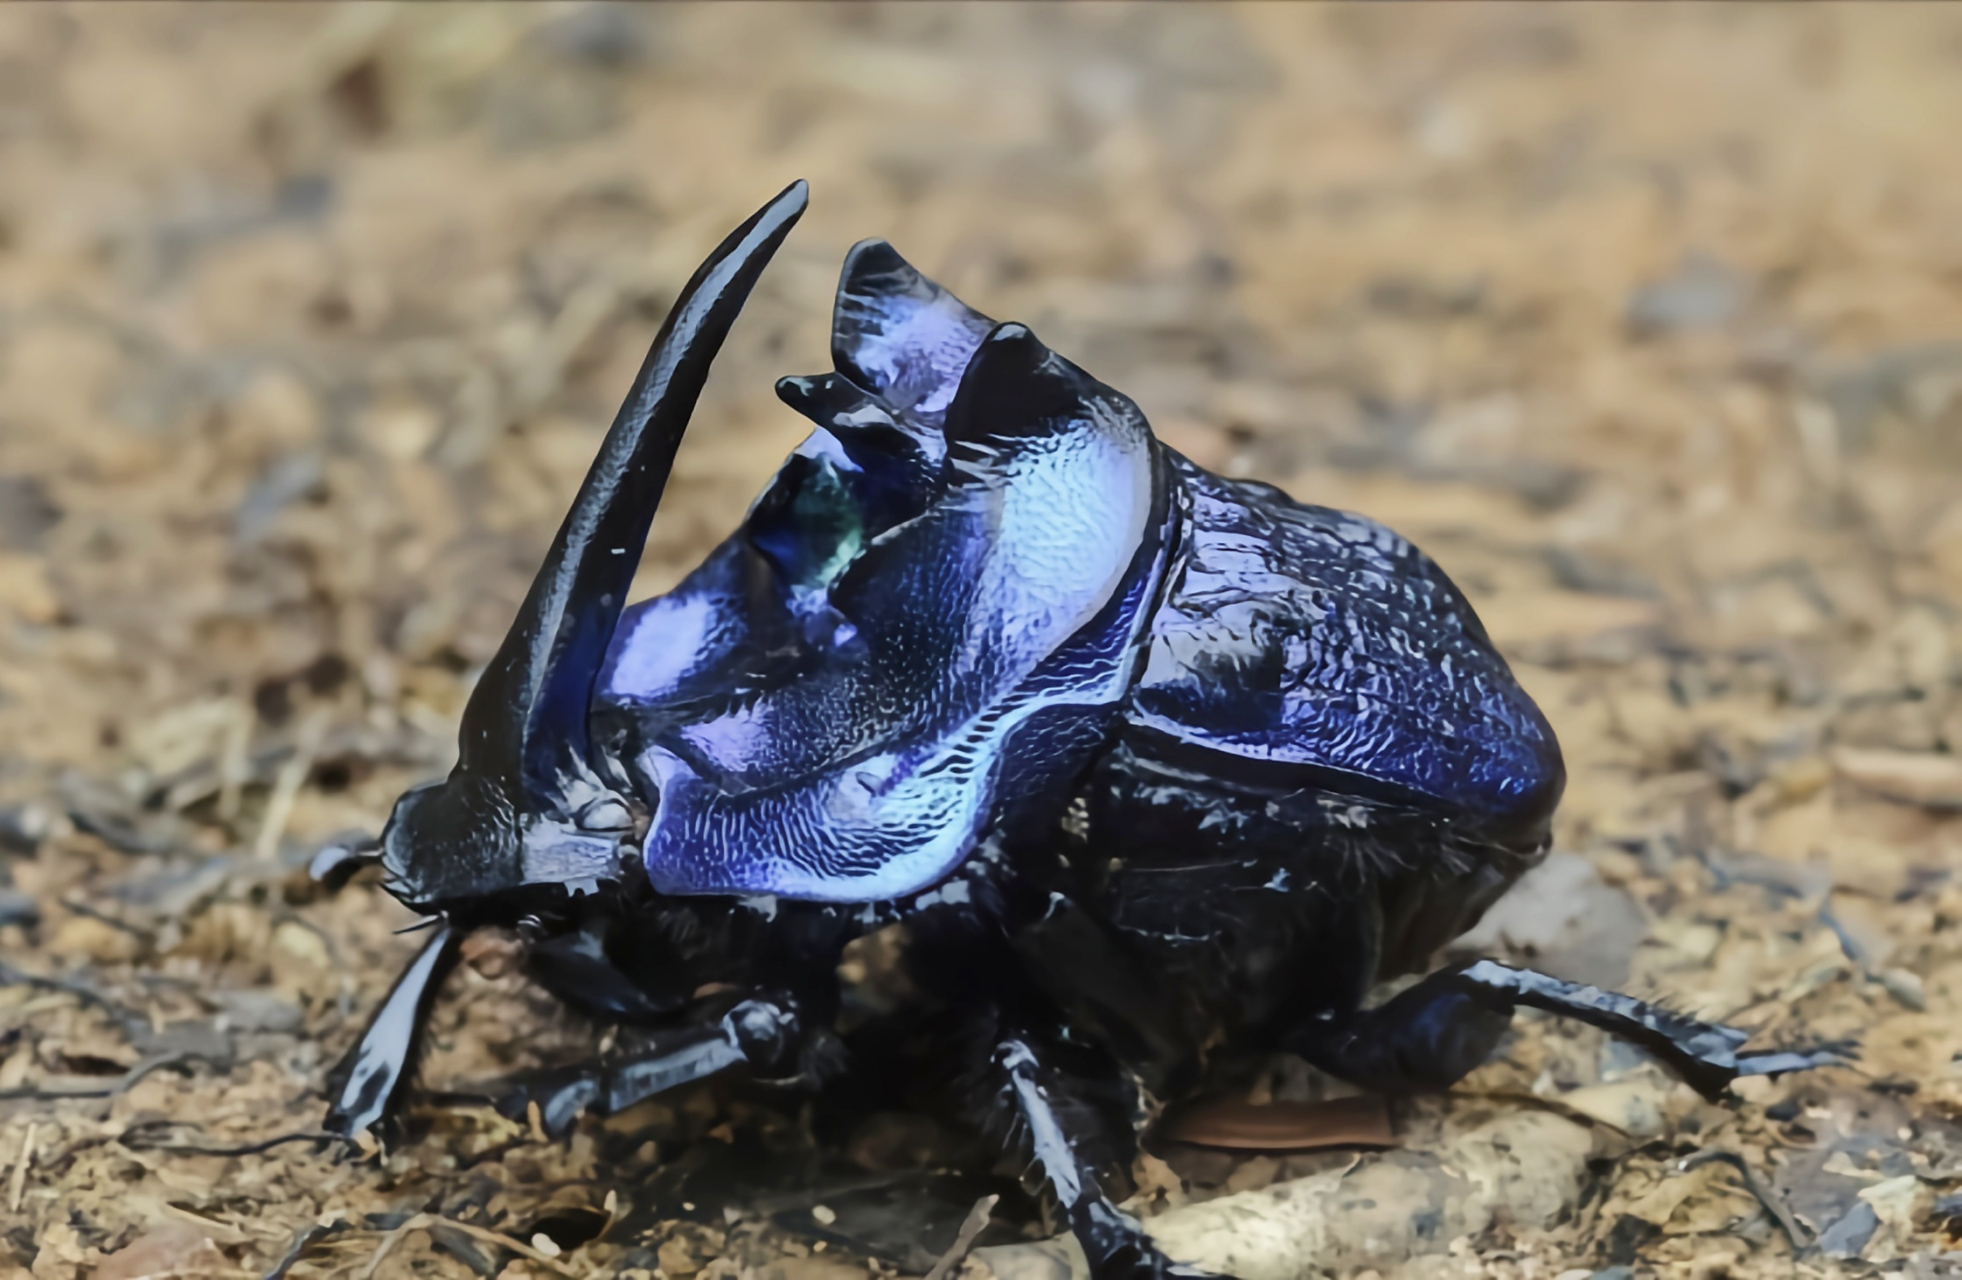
(367, 1085)
(1775, 1062)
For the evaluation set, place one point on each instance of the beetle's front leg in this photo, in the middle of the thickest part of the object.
(367, 1084)
(768, 1033)
(1113, 1242)
(1428, 1036)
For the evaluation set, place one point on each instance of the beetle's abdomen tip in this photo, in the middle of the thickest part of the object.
(1529, 795)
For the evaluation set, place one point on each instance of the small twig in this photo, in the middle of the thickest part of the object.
(977, 1221)
(234, 761)
(81, 908)
(286, 915)
(10, 977)
(17, 1185)
(1766, 1195)
(494, 1152)
(42, 1093)
(158, 1061)
(136, 1138)
(121, 1085)
(387, 1246)
(312, 1235)
(286, 786)
(424, 1221)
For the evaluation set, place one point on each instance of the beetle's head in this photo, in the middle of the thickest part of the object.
(530, 810)
(461, 845)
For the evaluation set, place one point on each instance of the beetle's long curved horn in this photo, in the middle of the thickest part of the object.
(526, 719)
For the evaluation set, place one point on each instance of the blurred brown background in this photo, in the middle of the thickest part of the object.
(1647, 322)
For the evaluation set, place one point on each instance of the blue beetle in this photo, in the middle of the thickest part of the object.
(1153, 765)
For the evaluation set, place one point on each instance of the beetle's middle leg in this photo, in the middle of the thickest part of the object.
(766, 1033)
(1059, 1137)
(1433, 1033)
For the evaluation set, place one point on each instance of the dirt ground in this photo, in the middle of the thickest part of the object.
(1647, 323)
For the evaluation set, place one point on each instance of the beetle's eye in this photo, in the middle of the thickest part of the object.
(605, 814)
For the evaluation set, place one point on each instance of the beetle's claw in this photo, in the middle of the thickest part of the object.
(1712, 1079)
(1773, 1062)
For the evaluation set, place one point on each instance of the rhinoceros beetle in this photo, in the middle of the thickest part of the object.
(1153, 765)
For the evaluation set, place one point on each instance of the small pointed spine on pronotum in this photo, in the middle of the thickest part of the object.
(1149, 768)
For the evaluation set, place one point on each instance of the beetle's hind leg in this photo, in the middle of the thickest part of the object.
(766, 1033)
(1705, 1054)
(1430, 1035)
(1061, 1134)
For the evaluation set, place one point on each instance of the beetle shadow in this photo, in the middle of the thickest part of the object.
(903, 1217)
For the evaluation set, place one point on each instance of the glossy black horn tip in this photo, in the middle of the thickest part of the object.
(792, 200)
(525, 724)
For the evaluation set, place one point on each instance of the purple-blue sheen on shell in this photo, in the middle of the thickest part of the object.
(928, 675)
(976, 567)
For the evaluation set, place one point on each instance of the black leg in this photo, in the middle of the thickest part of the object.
(765, 1033)
(367, 1084)
(1433, 1033)
(1704, 1053)
(1113, 1242)
(1422, 1040)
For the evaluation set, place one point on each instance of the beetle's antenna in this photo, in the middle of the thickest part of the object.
(525, 724)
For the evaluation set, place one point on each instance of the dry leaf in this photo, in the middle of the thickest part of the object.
(173, 1249)
(1236, 1125)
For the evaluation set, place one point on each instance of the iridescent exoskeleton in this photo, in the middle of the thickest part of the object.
(1151, 765)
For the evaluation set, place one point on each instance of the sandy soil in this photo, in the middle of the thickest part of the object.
(1646, 323)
